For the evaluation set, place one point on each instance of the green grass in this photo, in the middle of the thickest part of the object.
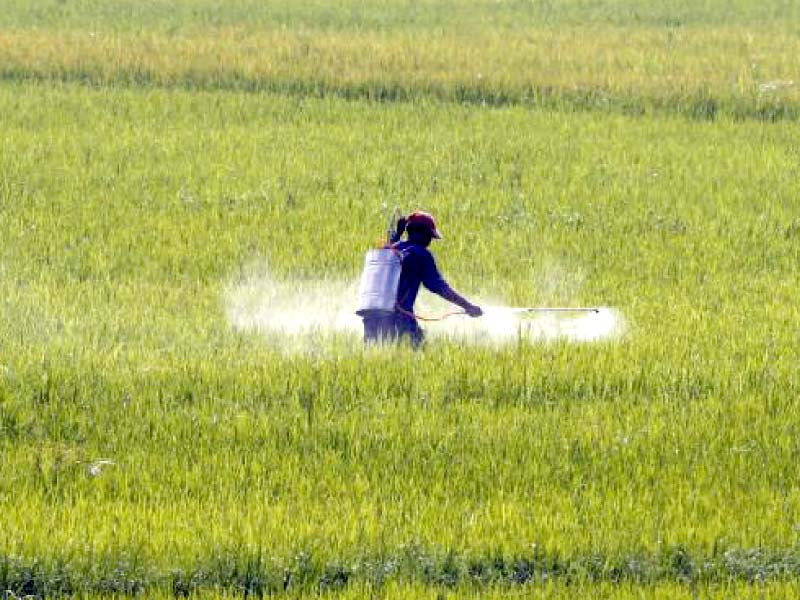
(125, 222)
(348, 15)
(658, 464)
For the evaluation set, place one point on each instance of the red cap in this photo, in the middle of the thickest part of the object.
(426, 220)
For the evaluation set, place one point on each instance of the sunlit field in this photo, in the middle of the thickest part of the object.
(187, 190)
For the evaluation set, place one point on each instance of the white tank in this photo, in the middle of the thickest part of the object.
(377, 292)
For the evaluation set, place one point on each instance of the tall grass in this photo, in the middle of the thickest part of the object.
(155, 155)
(719, 58)
(699, 72)
(665, 458)
(388, 15)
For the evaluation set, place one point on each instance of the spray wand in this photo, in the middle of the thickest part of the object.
(527, 309)
(560, 309)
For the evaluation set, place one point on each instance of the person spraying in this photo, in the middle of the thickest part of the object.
(392, 278)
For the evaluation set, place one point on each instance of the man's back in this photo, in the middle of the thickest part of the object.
(419, 267)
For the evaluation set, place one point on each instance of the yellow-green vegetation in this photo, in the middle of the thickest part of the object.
(147, 446)
(738, 59)
(548, 591)
(694, 71)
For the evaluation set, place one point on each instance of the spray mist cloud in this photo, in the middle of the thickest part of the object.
(298, 312)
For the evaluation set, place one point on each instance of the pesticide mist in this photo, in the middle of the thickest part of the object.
(298, 314)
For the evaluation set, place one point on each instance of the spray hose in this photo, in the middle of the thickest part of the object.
(529, 309)
(430, 318)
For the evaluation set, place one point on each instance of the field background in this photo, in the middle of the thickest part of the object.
(154, 155)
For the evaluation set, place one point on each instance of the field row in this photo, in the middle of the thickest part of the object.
(241, 572)
(699, 72)
(465, 16)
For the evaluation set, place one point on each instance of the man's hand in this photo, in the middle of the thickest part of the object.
(473, 310)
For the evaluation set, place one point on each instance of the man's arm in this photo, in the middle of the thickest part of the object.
(449, 294)
(434, 281)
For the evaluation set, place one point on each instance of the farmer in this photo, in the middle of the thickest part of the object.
(418, 267)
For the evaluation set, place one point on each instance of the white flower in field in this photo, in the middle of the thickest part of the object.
(94, 469)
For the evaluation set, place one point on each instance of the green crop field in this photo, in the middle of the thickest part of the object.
(187, 190)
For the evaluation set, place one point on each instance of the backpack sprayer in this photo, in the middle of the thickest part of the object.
(380, 279)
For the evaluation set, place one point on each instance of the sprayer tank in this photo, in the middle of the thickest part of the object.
(380, 279)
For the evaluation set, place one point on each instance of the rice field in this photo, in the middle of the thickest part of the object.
(737, 59)
(157, 158)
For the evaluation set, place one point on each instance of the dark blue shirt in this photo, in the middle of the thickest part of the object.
(419, 267)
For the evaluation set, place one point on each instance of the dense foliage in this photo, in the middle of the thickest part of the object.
(148, 445)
